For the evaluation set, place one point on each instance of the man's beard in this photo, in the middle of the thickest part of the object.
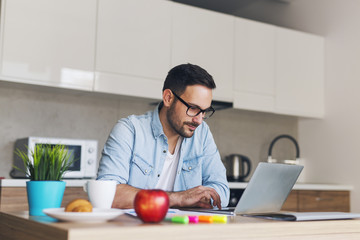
(176, 125)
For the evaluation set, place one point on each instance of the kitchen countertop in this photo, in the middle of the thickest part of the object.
(22, 182)
(233, 185)
(18, 225)
(302, 186)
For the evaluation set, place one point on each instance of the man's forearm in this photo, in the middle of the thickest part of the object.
(124, 196)
(174, 200)
(199, 196)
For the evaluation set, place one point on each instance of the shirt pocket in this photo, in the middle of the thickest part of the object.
(191, 170)
(140, 170)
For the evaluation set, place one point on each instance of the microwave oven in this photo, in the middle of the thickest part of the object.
(83, 151)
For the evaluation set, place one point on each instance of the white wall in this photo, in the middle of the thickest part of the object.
(331, 146)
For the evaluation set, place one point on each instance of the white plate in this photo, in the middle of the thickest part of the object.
(97, 215)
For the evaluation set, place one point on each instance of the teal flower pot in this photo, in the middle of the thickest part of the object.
(44, 194)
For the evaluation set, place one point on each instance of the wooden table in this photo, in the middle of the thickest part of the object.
(18, 225)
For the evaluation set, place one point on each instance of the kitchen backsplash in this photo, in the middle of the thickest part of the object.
(41, 111)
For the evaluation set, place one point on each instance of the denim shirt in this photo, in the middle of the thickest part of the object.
(136, 149)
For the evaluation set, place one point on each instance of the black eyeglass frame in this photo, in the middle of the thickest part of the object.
(209, 109)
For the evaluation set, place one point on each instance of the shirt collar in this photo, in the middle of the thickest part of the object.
(156, 126)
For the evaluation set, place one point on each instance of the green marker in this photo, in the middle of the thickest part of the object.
(180, 219)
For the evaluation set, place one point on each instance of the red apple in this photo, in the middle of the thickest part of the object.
(151, 206)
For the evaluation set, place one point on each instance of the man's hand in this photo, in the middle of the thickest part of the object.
(199, 196)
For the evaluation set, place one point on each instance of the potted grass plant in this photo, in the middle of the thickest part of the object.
(45, 166)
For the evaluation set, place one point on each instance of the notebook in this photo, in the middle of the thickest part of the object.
(266, 191)
(307, 216)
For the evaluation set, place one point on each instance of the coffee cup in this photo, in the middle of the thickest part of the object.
(101, 193)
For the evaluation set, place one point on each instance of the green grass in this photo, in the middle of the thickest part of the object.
(50, 162)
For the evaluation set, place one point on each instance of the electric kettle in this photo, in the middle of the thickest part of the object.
(271, 160)
(238, 167)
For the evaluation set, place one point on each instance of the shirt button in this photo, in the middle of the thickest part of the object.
(158, 175)
(189, 168)
(146, 170)
(164, 151)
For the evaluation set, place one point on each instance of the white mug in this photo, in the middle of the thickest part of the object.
(101, 193)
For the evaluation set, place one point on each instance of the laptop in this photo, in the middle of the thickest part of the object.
(266, 191)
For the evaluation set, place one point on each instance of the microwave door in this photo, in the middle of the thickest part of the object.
(75, 170)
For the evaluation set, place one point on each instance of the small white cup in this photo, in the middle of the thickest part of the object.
(101, 193)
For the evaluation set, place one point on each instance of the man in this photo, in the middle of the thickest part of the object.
(170, 148)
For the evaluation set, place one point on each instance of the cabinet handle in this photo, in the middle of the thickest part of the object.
(318, 199)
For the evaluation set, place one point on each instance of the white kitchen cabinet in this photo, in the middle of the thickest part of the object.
(133, 47)
(127, 47)
(49, 42)
(299, 73)
(278, 70)
(205, 38)
(254, 82)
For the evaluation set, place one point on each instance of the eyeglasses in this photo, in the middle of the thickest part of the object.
(193, 111)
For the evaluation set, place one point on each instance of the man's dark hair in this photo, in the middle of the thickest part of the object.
(185, 75)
